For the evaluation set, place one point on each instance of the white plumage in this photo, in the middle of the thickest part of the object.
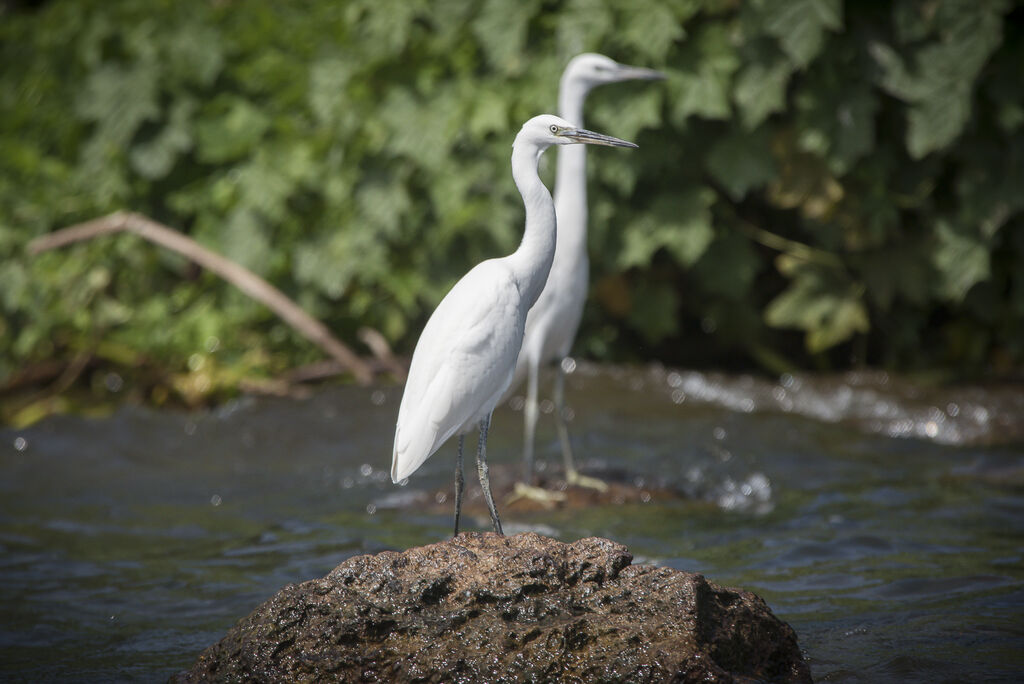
(466, 355)
(554, 320)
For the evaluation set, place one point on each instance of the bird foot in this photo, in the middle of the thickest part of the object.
(544, 497)
(575, 479)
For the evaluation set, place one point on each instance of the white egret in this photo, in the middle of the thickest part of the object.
(553, 321)
(466, 355)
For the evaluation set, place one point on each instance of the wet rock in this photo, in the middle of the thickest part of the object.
(482, 607)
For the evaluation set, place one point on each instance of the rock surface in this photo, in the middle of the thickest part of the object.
(482, 607)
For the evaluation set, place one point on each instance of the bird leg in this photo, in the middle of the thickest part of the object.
(459, 485)
(529, 421)
(572, 476)
(526, 488)
(485, 481)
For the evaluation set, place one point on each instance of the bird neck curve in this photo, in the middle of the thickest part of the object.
(571, 175)
(531, 262)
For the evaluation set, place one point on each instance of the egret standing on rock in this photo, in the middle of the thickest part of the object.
(553, 321)
(466, 355)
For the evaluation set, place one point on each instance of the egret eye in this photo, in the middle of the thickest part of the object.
(554, 128)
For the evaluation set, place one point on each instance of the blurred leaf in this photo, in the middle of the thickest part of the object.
(328, 77)
(680, 224)
(650, 28)
(230, 128)
(830, 312)
(653, 310)
(960, 259)
(761, 90)
(728, 266)
(800, 25)
(837, 121)
(155, 158)
(705, 92)
(501, 29)
(580, 24)
(742, 161)
(119, 99)
(897, 272)
(357, 155)
(940, 87)
(194, 53)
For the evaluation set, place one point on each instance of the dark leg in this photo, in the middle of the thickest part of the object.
(459, 484)
(481, 466)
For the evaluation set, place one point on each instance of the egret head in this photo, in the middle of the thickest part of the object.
(546, 130)
(591, 69)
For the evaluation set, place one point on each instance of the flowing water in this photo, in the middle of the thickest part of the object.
(884, 522)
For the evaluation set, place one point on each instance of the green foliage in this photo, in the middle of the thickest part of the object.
(356, 155)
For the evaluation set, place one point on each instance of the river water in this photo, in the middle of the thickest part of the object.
(883, 521)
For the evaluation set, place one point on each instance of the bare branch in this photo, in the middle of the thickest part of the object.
(382, 350)
(239, 276)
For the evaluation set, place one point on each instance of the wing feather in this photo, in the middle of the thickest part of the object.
(462, 363)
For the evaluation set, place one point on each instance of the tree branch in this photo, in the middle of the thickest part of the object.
(239, 276)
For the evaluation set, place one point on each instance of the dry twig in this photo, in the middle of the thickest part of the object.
(239, 276)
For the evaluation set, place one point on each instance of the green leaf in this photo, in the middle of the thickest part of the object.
(829, 310)
(960, 259)
(847, 317)
(653, 310)
(705, 94)
(195, 53)
(940, 84)
(649, 28)
(422, 129)
(761, 90)
(741, 161)
(230, 129)
(837, 120)
(501, 30)
(704, 91)
(680, 224)
(728, 266)
(937, 121)
(328, 78)
(800, 25)
(628, 116)
(119, 99)
(242, 237)
(581, 24)
(155, 158)
(901, 271)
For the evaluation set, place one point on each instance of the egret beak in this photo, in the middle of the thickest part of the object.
(632, 73)
(582, 135)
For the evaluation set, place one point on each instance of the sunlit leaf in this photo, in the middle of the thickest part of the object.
(960, 259)
(829, 310)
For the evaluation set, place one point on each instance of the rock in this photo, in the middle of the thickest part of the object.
(482, 607)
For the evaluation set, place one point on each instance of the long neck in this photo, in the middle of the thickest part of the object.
(571, 177)
(532, 261)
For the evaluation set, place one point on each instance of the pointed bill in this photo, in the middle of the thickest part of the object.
(582, 135)
(633, 73)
